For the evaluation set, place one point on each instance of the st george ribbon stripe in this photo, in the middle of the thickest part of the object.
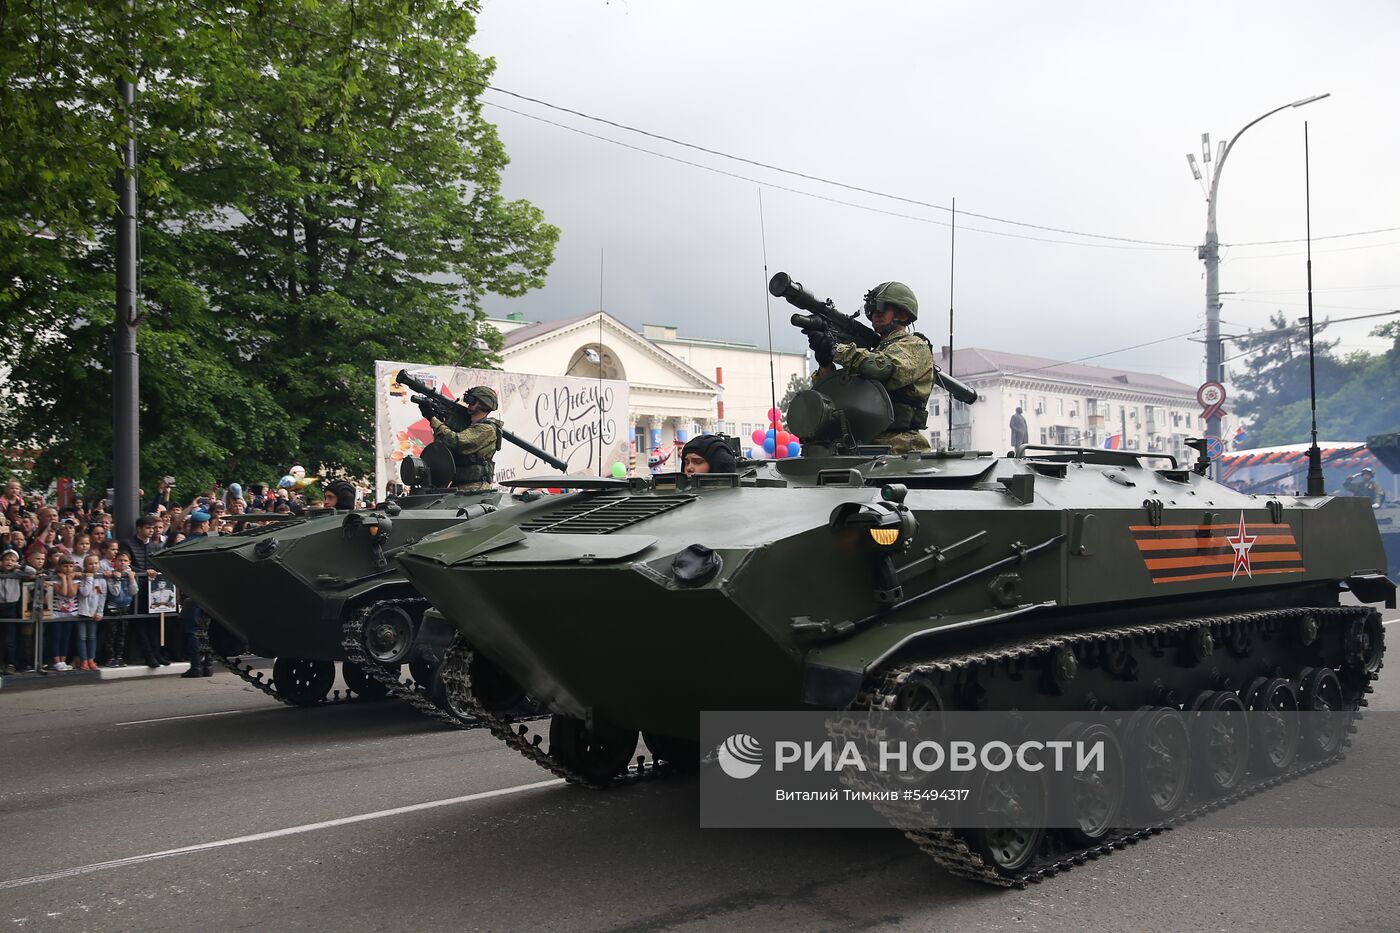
(1183, 553)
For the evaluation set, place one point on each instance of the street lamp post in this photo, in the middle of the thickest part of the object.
(1210, 252)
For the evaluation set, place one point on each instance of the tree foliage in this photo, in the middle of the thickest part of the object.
(796, 383)
(1357, 395)
(318, 190)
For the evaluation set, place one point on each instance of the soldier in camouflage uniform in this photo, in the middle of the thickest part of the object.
(903, 362)
(473, 448)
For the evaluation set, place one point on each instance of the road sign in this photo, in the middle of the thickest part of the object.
(1211, 395)
(1214, 447)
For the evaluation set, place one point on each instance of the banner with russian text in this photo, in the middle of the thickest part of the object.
(581, 421)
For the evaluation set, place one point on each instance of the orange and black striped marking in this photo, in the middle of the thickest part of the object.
(1178, 553)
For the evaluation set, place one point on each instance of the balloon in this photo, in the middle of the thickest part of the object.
(770, 434)
(780, 454)
(758, 437)
(287, 482)
(774, 414)
(619, 470)
(794, 448)
(297, 471)
(748, 453)
(769, 445)
(758, 453)
(784, 438)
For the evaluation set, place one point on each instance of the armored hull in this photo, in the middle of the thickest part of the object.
(321, 589)
(580, 598)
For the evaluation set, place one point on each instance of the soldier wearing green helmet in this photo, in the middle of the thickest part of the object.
(473, 448)
(902, 361)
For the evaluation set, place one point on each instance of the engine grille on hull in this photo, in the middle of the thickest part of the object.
(603, 515)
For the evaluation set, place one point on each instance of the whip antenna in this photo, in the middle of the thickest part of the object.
(767, 303)
(952, 255)
(1316, 486)
(600, 361)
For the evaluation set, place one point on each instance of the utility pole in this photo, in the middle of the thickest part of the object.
(1210, 252)
(125, 361)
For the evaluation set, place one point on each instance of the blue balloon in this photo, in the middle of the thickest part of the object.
(748, 453)
(769, 445)
(794, 448)
(772, 435)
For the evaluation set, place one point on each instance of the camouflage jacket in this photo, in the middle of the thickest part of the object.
(903, 363)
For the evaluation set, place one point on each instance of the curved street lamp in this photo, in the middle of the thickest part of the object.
(1210, 252)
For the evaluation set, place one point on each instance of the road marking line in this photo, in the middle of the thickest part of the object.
(227, 712)
(273, 834)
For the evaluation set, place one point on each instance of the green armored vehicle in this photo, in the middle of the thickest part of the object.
(853, 579)
(320, 589)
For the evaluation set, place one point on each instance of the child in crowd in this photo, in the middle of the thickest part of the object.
(11, 582)
(92, 600)
(65, 608)
(122, 588)
(81, 548)
(109, 555)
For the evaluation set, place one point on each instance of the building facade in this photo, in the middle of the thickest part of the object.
(1066, 404)
(677, 386)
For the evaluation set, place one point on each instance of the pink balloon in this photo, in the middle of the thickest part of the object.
(784, 438)
(774, 415)
(780, 453)
(759, 437)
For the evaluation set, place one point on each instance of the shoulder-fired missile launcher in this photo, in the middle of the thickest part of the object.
(848, 578)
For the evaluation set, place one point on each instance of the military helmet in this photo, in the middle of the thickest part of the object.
(483, 394)
(898, 294)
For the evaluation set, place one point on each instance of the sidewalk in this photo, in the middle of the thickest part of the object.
(35, 680)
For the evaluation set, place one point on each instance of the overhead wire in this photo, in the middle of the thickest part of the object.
(1126, 242)
(486, 86)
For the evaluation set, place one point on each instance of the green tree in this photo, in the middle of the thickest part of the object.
(319, 190)
(796, 383)
(1357, 395)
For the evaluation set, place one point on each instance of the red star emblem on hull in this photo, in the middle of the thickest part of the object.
(1242, 543)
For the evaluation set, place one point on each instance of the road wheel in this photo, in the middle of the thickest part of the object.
(1219, 742)
(389, 635)
(303, 682)
(1157, 749)
(594, 755)
(1014, 803)
(1276, 730)
(362, 683)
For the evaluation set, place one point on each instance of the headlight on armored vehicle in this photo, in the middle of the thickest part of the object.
(892, 527)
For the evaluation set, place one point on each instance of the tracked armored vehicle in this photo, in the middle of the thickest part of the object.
(852, 579)
(316, 590)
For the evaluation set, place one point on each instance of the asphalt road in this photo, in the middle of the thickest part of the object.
(98, 784)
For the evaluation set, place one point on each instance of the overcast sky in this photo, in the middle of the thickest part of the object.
(1072, 115)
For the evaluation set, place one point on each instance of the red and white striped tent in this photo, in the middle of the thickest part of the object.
(1284, 462)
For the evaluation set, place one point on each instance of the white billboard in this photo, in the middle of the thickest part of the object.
(581, 421)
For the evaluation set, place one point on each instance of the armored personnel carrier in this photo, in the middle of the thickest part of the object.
(852, 579)
(314, 590)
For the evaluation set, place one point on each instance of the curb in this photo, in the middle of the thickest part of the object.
(37, 681)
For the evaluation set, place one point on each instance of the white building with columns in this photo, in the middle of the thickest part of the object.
(1067, 404)
(677, 386)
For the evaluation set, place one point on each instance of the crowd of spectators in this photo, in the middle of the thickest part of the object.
(99, 582)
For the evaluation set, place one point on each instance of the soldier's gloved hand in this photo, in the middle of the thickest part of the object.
(822, 346)
(426, 410)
